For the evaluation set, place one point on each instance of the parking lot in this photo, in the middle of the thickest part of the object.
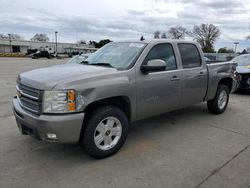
(186, 148)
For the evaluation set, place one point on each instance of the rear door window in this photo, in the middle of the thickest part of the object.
(190, 56)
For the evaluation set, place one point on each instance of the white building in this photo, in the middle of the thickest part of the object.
(22, 46)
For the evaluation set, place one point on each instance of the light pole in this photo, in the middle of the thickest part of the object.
(235, 43)
(56, 40)
(10, 42)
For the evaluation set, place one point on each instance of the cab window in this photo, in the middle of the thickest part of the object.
(190, 56)
(164, 52)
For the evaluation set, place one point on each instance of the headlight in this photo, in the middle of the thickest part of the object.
(62, 101)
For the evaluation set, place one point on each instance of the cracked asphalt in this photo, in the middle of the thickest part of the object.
(188, 148)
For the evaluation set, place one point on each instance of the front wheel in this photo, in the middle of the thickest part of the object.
(105, 132)
(219, 104)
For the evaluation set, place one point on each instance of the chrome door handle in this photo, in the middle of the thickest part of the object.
(175, 78)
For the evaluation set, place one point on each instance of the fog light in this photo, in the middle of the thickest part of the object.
(51, 136)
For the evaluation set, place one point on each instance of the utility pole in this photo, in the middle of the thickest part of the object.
(235, 43)
(56, 40)
(10, 43)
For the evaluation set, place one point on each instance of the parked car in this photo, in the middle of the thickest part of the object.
(31, 51)
(93, 102)
(43, 53)
(243, 69)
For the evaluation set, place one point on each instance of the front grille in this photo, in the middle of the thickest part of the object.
(29, 98)
(30, 91)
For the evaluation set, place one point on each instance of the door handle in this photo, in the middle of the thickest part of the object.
(175, 78)
(201, 73)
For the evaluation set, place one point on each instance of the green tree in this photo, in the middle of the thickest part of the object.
(100, 44)
(81, 42)
(225, 50)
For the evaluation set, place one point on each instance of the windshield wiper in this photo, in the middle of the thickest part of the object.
(85, 62)
(102, 64)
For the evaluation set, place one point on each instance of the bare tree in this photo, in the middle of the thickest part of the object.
(2, 36)
(177, 32)
(11, 36)
(206, 35)
(163, 35)
(157, 34)
(40, 37)
(14, 36)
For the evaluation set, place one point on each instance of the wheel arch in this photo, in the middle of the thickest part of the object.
(227, 82)
(122, 102)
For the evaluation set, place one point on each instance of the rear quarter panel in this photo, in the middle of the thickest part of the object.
(217, 72)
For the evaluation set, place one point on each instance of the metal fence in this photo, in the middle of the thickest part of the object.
(220, 56)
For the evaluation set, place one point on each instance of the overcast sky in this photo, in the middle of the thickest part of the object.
(123, 19)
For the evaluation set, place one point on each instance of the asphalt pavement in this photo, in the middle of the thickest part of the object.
(188, 148)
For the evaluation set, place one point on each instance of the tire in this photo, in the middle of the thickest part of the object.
(101, 139)
(219, 104)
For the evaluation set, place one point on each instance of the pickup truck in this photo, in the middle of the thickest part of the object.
(93, 102)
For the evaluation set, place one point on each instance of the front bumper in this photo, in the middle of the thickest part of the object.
(67, 127)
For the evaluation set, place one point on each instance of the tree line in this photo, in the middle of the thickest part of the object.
(41, 37)
(204, 34)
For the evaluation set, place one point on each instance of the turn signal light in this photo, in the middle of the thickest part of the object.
(71, 106)
(71, 95)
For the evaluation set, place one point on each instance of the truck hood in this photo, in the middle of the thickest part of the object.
(49, 77)
(243, 69)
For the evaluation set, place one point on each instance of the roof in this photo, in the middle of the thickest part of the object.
(147, 41)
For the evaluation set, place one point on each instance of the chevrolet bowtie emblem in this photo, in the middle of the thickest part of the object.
(19, 94)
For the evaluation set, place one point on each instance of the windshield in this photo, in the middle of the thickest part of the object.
(77, 59)
(243, 60)
(120, 55)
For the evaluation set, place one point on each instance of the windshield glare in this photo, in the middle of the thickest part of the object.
(78, 59)
(120, 55)
(242, 60)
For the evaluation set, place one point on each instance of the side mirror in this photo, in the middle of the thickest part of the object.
(153, 66)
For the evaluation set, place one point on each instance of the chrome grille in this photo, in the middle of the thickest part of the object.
(29, 98)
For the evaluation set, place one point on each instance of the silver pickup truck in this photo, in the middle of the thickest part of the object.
(92, 102)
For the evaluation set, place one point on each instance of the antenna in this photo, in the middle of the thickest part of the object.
(142, 38)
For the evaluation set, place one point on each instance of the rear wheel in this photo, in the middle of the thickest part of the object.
(219, 104)
(105, 132)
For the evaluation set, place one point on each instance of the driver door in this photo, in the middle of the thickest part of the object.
(160, 91)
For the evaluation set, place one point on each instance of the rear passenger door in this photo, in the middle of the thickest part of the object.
(194, 84)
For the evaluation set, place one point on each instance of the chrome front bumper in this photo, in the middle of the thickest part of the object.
(67, 127)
